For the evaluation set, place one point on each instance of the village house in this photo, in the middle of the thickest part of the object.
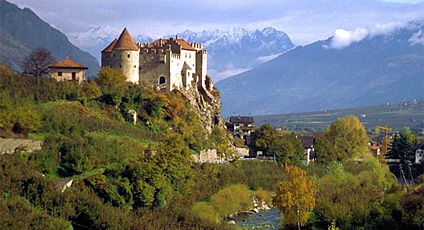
(418, 153)
(167, 64)
(68, 70)
(308, 144)
(241, 126)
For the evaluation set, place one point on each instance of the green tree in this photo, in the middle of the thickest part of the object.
(205, 212)
(231, 200)
(403, 143)
(295, 196)
(5, 109)
(37, 63)
(26, 118)
(112, 83)
(91, 90)
(345, 138)
(109, 76)
(264, 137)
(287, 148)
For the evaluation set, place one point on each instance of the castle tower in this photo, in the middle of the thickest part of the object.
(107, 58)
(123, 54)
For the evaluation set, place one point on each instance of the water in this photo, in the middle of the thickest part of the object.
(263, 220)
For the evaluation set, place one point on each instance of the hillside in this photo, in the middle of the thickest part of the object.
(376, 70)
(395, 116)
(22, 31)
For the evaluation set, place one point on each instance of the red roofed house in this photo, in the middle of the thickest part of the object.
(68, 70)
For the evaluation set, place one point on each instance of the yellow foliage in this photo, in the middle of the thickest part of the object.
(205, 212)
(295, 196)
(231, 200)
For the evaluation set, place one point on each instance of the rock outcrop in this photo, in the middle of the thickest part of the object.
(206, 103)
(10, 146)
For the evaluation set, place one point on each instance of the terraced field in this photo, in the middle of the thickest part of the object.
(395, 116)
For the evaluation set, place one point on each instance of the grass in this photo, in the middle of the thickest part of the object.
(89, 173)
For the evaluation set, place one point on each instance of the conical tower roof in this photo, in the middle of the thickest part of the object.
(110, 47)
(125, 42)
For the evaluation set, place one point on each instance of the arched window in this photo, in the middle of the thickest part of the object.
(128, 55)
(162, 80)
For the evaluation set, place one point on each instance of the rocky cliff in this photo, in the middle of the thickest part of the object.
(207, 103)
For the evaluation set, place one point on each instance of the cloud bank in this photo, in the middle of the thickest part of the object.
(343, 38)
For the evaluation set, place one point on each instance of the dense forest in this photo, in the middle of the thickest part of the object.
(139, 175)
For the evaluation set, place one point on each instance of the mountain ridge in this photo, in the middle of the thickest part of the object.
(313, 77)
(27, 29)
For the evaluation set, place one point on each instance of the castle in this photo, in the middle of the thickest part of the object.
(165, 63)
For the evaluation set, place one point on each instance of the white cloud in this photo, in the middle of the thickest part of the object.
(417, 38)
(386, 29)
(263, 59)
(221, 75)
(343, 38)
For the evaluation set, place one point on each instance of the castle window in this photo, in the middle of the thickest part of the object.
(59, 74)
(128, 55)
(162, 80)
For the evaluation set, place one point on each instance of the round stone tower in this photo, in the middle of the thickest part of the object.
(125, 56)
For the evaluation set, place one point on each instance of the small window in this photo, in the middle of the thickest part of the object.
(185, 55)
(189, 55)
(59, 74)
(74, 76)
(128, 55)
(120, 66)
(162, 80)
(135, 66)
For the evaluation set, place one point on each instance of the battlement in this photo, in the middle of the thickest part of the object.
(197, 46)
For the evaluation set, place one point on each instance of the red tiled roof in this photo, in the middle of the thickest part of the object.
(68, 63)
(184, 45)
(125, 42)
(110, 47)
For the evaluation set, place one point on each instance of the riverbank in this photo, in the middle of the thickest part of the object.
(262, 220)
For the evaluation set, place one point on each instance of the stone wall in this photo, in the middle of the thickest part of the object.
(10, 146)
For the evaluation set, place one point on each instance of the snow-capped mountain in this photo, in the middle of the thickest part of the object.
(351, 69)
(229, 51)
(238, 49)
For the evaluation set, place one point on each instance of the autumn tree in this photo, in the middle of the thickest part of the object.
(37, 63)
(295, 196)
(345, 138)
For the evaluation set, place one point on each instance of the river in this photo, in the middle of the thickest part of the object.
(263, 220)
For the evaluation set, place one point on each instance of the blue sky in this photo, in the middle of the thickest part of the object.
(304, 21)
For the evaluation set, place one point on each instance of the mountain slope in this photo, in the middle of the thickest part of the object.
(376, 70)
(28, 30)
